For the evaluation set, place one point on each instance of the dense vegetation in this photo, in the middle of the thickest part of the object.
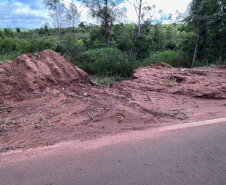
(119, 51)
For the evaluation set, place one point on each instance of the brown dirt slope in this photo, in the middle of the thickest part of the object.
(33, 73)
(45, 100)
(200, 82)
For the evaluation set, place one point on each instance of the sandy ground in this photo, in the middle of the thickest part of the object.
(44, 100)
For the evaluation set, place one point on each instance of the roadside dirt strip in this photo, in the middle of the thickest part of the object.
(44, 100)
(105, 141)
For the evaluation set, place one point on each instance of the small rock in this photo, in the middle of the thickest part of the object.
(85, 94)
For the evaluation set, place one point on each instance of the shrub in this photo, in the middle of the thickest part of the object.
(105, 62)
(26, 46)
(1, 34)
(8, 56)
(42, 43)
(143, 45)
(83, 36)
(8, 32)
(106, 81)
(171, 45)
(187, 42)
(174, 58)
(10, 44)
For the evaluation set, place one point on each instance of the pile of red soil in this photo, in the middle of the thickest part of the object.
(160, 77)
(49, 100)
(33, 73)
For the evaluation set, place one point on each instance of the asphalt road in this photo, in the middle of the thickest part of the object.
(167, 156)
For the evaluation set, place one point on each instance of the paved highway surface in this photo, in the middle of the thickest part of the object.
(173, 155)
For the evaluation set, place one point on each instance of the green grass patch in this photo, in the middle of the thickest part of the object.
(105, 62)
(106, 81)
(8, 56)
(174, 58)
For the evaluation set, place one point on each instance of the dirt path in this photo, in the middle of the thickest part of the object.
(45, 100)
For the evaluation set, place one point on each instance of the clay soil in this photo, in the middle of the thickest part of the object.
(45, 100)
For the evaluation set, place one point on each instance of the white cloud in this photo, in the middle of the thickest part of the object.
(32, 14)
(84, 11)
(168, 6)
(18, 14)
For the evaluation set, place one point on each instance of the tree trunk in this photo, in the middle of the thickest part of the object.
(139, 17)
(196, 49)
(106, 22)
(73, 28)
(60, 33)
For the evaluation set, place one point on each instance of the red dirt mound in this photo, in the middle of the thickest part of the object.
(33, 73)
(200, 82)
(157, 95)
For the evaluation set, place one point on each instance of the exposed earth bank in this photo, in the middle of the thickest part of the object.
(45, 100)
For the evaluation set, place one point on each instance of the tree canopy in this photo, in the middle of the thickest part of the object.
(106, 11)
(208, 16)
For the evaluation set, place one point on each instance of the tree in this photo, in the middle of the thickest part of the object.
(82, 25)
(8, 32)
(138, 5)
(215, 18)
(57, 12)
(141, 9)
(73, 16)
(106, 11)
(209, 18)
(18, 29)
(194, 20)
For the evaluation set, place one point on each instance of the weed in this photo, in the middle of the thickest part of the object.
(42, 117)
(72, 95)
(8, 72)
(212, 65)
(3, 127)
(7, 56)
(127, 111)
(90, 115)
(105, 61)
(174, 58)
(106, 81)
(62, 116)
(168, 82)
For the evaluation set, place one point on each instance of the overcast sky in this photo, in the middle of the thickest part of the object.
(32, 13)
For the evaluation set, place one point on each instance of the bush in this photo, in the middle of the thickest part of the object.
(171, 45)
(26, 46)
(123, 36)
(105, 62)
(144, 45)
(174, 58)
(1, 34)
(42, 43)
(8, 56)
(83, 36)
(106, 81)
(10, 44)
(8, 32)
(187, 42)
